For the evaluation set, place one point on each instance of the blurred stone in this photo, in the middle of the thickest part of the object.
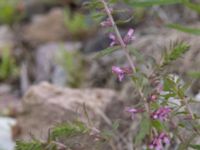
(4, 88)
(9, 102)
(46, 28)
(46, 105)
(47, 67)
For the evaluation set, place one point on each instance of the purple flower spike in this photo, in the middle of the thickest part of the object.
(106, 23)
(129, 37)
(121, 72)
(159, 141)
(161, 114)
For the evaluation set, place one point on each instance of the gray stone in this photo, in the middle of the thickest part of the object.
(47, 66)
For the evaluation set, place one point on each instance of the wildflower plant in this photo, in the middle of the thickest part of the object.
(167, 122)
(159, 126)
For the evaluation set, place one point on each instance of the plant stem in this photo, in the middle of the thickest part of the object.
(188, 108)
(123, 45)
(126, 51)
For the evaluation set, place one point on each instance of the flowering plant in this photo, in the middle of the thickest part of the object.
(163, 119)
(167, 122)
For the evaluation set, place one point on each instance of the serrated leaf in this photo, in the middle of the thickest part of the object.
(144, 130)
(176, 50)
(68, 130)
(181, 28)
(107, 51)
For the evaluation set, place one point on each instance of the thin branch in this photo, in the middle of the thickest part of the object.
(123, 45)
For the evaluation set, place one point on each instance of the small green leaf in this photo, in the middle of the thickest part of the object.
(144, 130)
(107, 51)
(181, 28)
(158, 125)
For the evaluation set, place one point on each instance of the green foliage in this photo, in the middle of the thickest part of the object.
(8, 13)
(107, 51)
(192, 6)
(72, 62)
(20, 145)
(196, 147)
(194, 74)
(158, 125)
(8, 67)
(75, 22)
(147, 3)
(178, 27)
(144, 129)
(68, 130)
(174, 88)
(177, 49)
(93, 4)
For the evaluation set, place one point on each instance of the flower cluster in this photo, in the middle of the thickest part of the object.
(121, 72)
(159, 141)
(128, 38)
(161, 113)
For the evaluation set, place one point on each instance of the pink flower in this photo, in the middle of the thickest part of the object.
(159, 141)
(106, 23)
(161, 113)
(153, 97)
(133, 111)
(114, 40)
(129, 37)
(120, 72)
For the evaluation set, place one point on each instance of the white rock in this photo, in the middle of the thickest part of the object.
(197, 97)
(6, 142)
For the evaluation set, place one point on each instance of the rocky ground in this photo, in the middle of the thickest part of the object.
(55, 72)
